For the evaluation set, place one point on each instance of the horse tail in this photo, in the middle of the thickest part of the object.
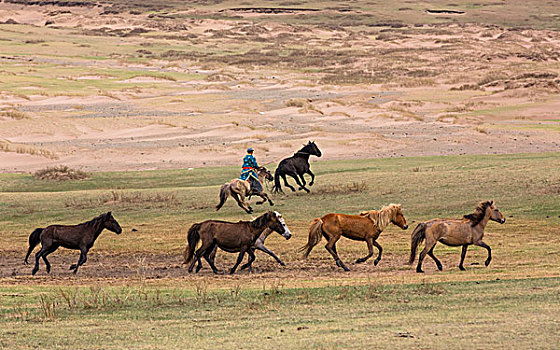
(192, 240)
(417, 237)
(223, 195)
(315, 233)
(34, 239)
(277, 187)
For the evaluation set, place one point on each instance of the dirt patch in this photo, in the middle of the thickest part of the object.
(134, 266)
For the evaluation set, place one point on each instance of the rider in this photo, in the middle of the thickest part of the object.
(249, 169)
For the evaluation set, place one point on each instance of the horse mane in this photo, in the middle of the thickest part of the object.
(383, 217)
(261, 221)
(479, 213)
(303, 150)
(94, 220)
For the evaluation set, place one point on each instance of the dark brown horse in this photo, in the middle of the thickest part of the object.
(364, 227)
(231, 237)
(81, 236)
(462, 232)
(295, 166)
(259, 245)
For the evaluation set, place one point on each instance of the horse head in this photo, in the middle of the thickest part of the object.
(495, 215)
(111, 224)
(398, 218)
(390, 214)
(263, 171)
(312, 149)
(277, 223)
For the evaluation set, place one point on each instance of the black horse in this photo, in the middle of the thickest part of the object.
(80, 237)
(295, 166)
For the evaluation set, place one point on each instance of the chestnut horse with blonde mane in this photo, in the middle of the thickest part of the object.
(364, 227)
(460, 232)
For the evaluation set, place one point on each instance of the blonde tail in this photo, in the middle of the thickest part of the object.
(315, 233)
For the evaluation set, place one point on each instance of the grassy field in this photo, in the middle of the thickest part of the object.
(308, 304)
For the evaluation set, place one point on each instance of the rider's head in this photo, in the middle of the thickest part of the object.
(250, 150)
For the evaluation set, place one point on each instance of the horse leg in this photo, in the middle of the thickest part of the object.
(44, 256)
(487, 247)
(438, 263)
(212, 255)
(302, 180)
(240, 198)
(331, 248)
(44, 248)
(369, 242)
(263, 196)
(262, 248)
(251, 253)
(195, 260)
(81, 260)
(429, 245)
(207, 256)
(287, 184)
(378, 246)
(301, 186)
(312, 177)
(239, 260)
(463, 254)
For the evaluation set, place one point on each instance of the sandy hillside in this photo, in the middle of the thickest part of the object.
(111, 88)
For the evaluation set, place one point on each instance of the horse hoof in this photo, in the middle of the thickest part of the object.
(33, 272)
(462, 268)
(345, 268)
(271, 204)
(359, 261)
(419, 271)
(232, 272)
(487, 262)
(440, 267)
(282, 263)
(376, 262)
(72, 267)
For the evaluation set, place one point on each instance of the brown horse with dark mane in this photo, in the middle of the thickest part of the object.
(460, 232)
(364, 227)
(231, 237)
(81, 237)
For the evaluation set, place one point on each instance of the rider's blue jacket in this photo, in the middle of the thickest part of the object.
(249, 167)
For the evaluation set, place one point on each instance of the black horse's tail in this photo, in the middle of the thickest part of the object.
(417, 237)
(192, 240)
(34, 239)
(277, 187)
(223, 196)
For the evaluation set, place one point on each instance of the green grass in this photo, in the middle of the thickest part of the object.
(490, 314)
(512, 302)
